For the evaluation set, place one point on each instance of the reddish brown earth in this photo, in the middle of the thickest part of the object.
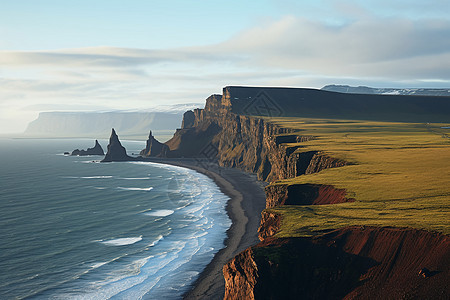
(304, 194)
(348, 263)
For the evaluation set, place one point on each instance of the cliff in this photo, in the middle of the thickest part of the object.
(96, 150)
(351, 262)
(249, 143)
(348, 263)
(116, 152)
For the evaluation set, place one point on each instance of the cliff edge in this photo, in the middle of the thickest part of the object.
(236, 130)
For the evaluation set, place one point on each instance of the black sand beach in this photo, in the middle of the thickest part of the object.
(247, 200)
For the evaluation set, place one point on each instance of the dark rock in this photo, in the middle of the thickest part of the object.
(96, 150)
(188, 119)
(66, 153)
(154, 148)
(116, 152)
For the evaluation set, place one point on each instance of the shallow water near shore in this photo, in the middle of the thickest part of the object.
(74, 228)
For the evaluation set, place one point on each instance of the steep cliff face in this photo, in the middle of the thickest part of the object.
(353, 262)
(270, 224)
(349, 263)
(304, 194)
(245, 142)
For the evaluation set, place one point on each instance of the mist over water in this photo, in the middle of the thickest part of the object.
(71, 227)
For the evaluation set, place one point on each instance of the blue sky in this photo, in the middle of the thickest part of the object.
(107, 55)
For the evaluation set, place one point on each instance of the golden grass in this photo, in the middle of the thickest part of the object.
(400, 176)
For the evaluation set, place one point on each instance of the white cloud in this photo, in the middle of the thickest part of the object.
(291, 51)
(405, 48)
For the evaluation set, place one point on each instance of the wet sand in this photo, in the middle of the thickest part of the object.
(247, 200)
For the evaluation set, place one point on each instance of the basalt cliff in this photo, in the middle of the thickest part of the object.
(355, 262)
(347, 263)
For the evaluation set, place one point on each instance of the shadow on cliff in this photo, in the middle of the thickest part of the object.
(348, 263)
(301, 267)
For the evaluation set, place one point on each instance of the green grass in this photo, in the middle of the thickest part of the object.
(400, 176)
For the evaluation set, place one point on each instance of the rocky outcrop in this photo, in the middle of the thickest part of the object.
(154, 148)
(270, 224)
(96, 150)
(321, 161)
(245, 142)
(116, 152)
(188, 120)
(348, 263)
(304, 194)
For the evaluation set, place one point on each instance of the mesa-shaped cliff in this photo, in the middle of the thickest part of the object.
(353, 262)
(249, 143)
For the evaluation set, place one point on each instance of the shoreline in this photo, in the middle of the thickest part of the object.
(247, 200)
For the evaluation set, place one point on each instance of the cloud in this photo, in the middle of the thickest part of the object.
(366, 49)
(109, 57)
(406, 48)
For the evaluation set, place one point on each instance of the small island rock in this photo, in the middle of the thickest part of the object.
(96, 150)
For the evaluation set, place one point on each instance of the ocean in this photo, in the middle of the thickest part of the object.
(74, 228)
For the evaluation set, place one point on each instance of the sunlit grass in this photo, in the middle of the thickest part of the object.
(400, 175)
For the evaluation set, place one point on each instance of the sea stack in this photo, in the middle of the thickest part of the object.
(96, 150)
(154, 148)
(116, 152)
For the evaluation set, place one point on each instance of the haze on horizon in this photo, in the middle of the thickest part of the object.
(135, 55)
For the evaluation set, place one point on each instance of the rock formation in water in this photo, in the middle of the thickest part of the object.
(116, 152)
(96, 150)
(154, 148)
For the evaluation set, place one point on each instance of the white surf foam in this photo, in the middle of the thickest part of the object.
(135, 178)
(160, 213)
(96, 177)
(122, 241)
(159, 238)
(98, 265)
(135, 189)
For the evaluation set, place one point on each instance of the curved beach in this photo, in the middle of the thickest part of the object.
(247, 200)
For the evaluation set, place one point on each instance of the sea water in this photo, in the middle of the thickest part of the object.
(74, 228)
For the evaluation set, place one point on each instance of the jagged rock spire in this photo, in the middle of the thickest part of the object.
(154, 147)
(116, 152)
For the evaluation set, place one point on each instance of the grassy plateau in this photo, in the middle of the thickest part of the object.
(400, 175)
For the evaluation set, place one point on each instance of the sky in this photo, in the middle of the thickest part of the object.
(103, 55)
